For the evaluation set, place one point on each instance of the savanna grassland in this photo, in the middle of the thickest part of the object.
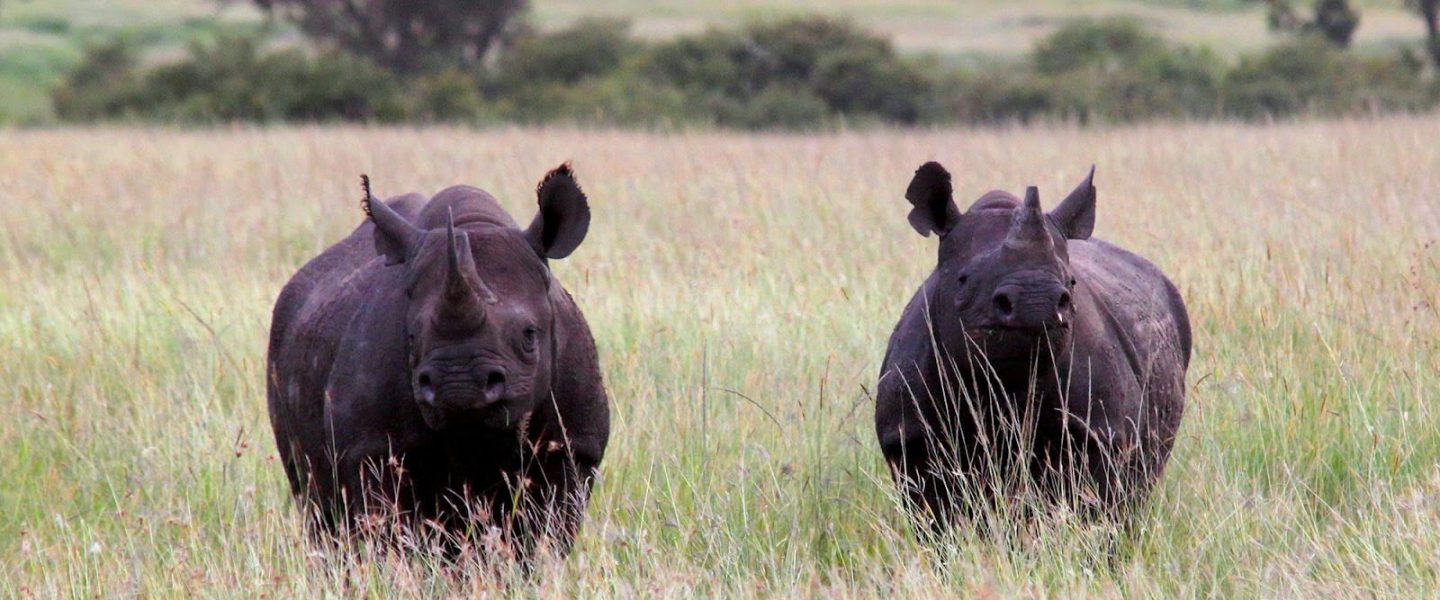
(741, 288)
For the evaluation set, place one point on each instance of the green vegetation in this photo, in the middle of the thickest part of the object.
(770, 69)
(1309, 76)
(794, 73)
(231, 79)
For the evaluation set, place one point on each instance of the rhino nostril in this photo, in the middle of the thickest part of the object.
(425, 387)
(494, 385)
(1003, 305)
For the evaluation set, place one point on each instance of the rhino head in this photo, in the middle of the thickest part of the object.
(479, 320)
(1003, 285)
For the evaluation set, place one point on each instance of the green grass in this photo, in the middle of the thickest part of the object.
(138, 268)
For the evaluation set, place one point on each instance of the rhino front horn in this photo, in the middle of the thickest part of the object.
(1028, 225)
(462, 298)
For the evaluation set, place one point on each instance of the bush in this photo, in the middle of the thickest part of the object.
(231, 79)
(777, 106)
(825, 67)
(999, 94)
(1108, 70)
(1311, 76)
(589, 48)
(1099, 45)
(861, 81)
(588, 72)
(797, 73)
(450, 95)
(104, 85)
(1114, 70)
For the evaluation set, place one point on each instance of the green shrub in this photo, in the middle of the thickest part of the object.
(231, 79)
(1308, 75)
(795, 73)
(1095, 44)
(589, 48)
(1008, 93)
(104, 85)
(449, 95)
(778, 106)
(590, 72)
(716, 62)
(1114, 70)
(800, 69)
(861, 81)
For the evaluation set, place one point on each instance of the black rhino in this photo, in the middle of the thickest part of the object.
(430, 366)
(1034, 354)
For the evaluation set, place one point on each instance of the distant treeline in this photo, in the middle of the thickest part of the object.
(796, 73)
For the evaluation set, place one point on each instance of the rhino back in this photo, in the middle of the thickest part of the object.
(470, 206)
(330, 267)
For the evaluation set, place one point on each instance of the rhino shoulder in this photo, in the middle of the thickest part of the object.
(1136, 297)
(336, 263)
(580, 406)
(907, 371)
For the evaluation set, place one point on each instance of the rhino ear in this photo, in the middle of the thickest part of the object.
(1075, 216)
(931, 195)
(564, 216)
(395, 238)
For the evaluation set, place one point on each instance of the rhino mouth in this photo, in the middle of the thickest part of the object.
(1001, 343)
(1004, 333)
(502, 416)
(1033, 331)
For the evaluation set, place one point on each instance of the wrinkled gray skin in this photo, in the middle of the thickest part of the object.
(1033, 354)
(426, 366)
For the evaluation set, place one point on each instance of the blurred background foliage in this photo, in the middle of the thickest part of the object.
(495, 61)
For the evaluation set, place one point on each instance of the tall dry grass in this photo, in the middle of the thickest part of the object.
(741, 289)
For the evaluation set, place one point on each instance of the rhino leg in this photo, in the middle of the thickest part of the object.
(552, 506)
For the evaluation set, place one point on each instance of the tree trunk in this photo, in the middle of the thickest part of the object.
(1430, 11)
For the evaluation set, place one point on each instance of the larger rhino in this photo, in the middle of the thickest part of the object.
(430, 367)
(1033, 358)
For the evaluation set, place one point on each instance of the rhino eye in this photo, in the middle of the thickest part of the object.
(964, 278)
(532, 335)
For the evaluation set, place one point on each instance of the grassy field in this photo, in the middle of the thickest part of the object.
(42, 40)
(138, 268)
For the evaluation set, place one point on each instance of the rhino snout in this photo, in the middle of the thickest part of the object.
(464, 390)
(1031, 307)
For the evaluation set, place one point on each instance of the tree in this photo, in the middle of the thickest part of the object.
(405, 35)
(1429, 10)
(1334, 19)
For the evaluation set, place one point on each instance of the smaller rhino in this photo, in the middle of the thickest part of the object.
(1034, 357)
(430, 367)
